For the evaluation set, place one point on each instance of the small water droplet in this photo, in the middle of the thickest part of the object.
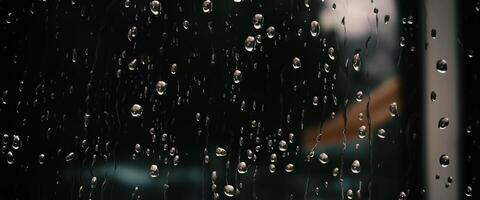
(356, 61)
(271, 32)
(249, 43)
(386, 19)
(381, 133)
(296, 63)
(161, 87)
(207, 6)
(393, 109)
(132, 33)
(331, 53)
(289, 167)
(359, 96)
(237, 76)
(433, 96)
(70, 157)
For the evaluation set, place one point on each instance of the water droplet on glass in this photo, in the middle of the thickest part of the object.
(434, 33)
(93, 182)
(402, 41)
(132, 65)
(296, 63)
(402, 196)
(433, 96)
(355, 167)
(10, 158)
(314, 28)
(386, 19)
(335, 171)
(249, 42)
(359, 96)
(468, 191)
(381, 133)
(16, 142)
(271, 168)
(442, 66)
(323, 158)
(289, 167)
(155, 7)
(229, 190)
(70, 157)
(154, 171)
(393, 109)
(315, 100)
(257, 21)
(349, 194)
(242, 167)
(356, 62)
(186, 24)
(443, 123)
(136, 110)
(41, 159)
(331, 53)
(132, 33)
(271, 32)
(220, 152)
(282, 145)
(237, 76)
(173, 68)
(161, 87)
(361, 132)
(207, 6)
(444, 160)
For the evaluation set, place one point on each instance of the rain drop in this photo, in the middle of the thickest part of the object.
(355, 167)
(443, 123)
(136, 110)
(442, 66)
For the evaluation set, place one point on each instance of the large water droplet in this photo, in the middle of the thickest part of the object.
(442, 66)
(314, 28)
(229, 190)
(323, 158)
(220, 152)
(136, 110)
(155, 7)
(257, 21)
(154, 171)
(355, 167)
(444, 160)
(443, 123)
(242, 167)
